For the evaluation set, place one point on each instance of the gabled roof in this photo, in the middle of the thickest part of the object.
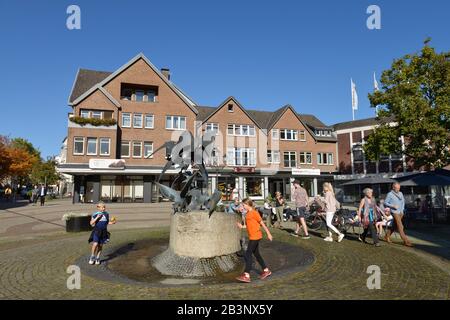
(267, 119)
(84, 80)
(361, 123)
(226, 101)
(95, 76)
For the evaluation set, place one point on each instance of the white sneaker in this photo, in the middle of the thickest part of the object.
(329, 239)
(341, 236)
(97, 261)
(91, 261)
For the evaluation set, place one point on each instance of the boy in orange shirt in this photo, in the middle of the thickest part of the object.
(253, 221)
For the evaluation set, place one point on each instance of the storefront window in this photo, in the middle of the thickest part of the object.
(254, 187)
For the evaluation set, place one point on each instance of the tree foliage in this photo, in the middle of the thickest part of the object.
(415, 95)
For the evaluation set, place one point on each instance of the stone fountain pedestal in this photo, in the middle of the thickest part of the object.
(200, 245)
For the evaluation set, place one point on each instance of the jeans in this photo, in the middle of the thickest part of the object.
(253, 249)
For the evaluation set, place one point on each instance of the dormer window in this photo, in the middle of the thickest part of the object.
(138, 93)
(230, 108)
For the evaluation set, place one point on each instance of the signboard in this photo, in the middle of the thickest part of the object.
(115, 164)
(244, 170)
(305, 172)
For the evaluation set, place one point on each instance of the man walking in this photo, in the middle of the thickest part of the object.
(301, 204)
(42, 194)
(396, 202)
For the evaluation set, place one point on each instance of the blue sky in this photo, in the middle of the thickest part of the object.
(265, 53)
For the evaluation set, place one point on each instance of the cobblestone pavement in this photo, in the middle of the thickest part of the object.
(35, 268)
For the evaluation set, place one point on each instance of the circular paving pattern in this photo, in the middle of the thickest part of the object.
(37, 269)
(131, 264)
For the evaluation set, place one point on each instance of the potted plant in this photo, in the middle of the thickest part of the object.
(77, 222)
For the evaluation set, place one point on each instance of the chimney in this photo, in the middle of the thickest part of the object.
(166, 73)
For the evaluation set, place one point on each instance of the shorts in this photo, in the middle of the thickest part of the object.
(301, 212)
(100, 236)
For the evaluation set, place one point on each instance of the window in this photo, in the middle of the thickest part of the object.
(151, 95)
(148, 149)
(273, 156)
(91, 146)
(212, 127)
(137, 120)
(104, 146)
(305, 158)
(241, 157)
(290, 159)
(139, 95)
(149, 121)
(107, 114)
(325, 158)
(230, 108)
(78, 145)
(126, 120)
(96, 114)
(288, 134)
(125, 149)
(358, 153)
(175, 122)
(84, 113)
(137, 149)
(302, 135)
(275, 134)
(126, 94)
(241, 130)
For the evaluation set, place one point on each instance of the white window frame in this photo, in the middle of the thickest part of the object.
(122, 144)
(151, 151)
(85, 111)
(237, 157)
(132, 147)
(325, 155)
(100, 146)
(251, 130)
(146, 95)
(275, 134)
(291, 153)
(293, 132)
(143, 95)
(210, 127)
(136, 116)
(87, 146)
(74, 142)
(145, 121)
(272, 158)
(130, 118)
(179, 121)
(304, 154)
(96, 112)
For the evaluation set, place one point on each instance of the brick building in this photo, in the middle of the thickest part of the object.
(119, 118)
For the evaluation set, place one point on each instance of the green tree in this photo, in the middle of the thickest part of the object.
(415, 94)
(25, 145)
(44, 171)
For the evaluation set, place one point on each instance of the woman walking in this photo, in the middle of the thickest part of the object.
(368, 207)
(330, 209)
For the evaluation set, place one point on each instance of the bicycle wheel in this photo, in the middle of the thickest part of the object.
(313, 222)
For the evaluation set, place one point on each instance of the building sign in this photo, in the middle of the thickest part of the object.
(244, 170)
(305, 172)
(117, 164)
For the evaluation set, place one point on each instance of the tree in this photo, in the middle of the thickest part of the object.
(25, 145)
(415, 95)
(45, 172)
(16, 162)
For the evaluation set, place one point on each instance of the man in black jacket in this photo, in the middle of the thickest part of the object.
(42, 193)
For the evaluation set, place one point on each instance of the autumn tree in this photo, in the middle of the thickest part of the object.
(415, 96)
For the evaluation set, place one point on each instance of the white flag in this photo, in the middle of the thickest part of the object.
(375, 83)
(354, 96)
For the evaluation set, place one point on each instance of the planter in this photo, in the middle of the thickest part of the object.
(78, 224)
